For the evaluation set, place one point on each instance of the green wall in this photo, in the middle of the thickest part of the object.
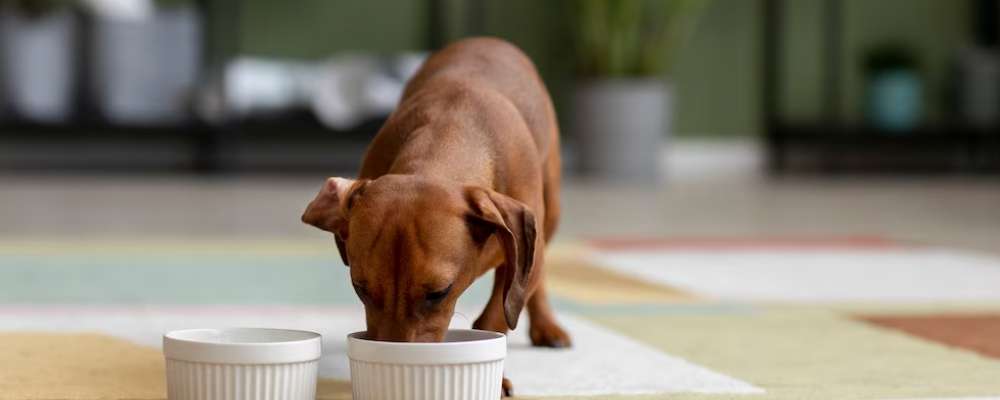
(316, 28)
(933, 29)
(717, 75)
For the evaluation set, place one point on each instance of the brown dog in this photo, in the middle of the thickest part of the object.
(462, 178)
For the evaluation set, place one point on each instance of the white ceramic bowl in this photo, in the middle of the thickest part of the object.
(468, 365)
(241, 364)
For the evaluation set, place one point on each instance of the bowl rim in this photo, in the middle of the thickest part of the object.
(177, 347)
(490, 348)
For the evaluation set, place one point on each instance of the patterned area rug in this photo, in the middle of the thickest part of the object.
(760, 318)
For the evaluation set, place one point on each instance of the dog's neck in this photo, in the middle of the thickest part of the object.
(425, 152)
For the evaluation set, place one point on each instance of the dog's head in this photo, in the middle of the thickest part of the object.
(414, 245)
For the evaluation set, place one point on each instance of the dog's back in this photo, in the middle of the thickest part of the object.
(476, 112)
(497, 65)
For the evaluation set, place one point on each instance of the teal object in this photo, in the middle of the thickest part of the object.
(895, 100)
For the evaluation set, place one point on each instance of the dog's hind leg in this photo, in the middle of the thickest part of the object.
(551, 183)
(545, 331)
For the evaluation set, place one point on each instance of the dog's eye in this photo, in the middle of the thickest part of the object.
(437, 296)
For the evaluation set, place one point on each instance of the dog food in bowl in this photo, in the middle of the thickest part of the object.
(467, 365)
(241, 363)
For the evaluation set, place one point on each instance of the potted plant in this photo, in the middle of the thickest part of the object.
(147, 58)
(894, 88)
(622, 103)
(38, 53)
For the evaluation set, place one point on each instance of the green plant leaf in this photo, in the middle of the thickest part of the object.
(630, 38)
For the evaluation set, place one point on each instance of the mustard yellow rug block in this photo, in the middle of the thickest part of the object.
(37, 365)
(570, 275)
(86, 366)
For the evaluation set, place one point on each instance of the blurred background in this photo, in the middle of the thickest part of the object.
(793, 116)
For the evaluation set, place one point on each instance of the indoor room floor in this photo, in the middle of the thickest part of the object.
(716, 282)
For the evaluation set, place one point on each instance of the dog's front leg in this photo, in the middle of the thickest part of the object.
(492, 319)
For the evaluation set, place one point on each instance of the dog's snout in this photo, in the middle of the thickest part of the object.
(393, 334)
(398, 333)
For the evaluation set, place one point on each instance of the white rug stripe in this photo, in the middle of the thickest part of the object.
(895, 275)
(601, 362)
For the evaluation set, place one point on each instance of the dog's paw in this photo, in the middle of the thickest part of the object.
(506, 388)
(486, 323)
(549, 335)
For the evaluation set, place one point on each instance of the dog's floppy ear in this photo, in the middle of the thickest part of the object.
(514, 225)
(330, 209)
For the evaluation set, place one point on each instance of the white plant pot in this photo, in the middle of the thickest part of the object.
(146, 68)
(621, 126)
(38, 56)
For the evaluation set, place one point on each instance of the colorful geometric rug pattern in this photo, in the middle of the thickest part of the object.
(689, 318)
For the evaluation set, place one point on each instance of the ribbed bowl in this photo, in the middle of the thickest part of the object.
(203, 381)
(468, 365)
(241, 364)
